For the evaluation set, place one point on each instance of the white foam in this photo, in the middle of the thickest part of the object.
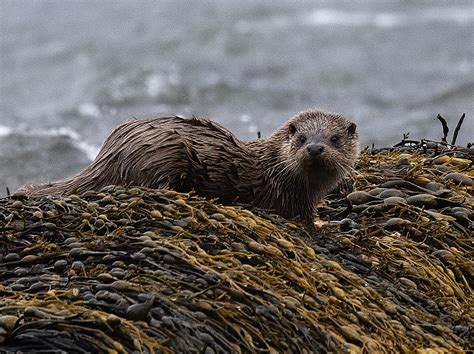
(4, 131)
(333, 17)
(389, 20)
(336, 17)
(90, 150)
(245, 118)
(89, 109)
(155, 84)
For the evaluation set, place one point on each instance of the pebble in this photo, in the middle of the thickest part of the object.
(88, 296)
(387, 193)
(467, 212)
(168, 321)
(18, 204)
(434, 186)
(442, 168)
(122, 221)
(107, 200)
(106, 277)
(396, 224)
(147, 250)
(109, 258)
(459, 178)
(19, 195)
(38, 286)
(70, 240)
(99, 223)
(18, 287)
(119, 264)
(150, 234)
(60, 265)
(8, 322)
(423, 200)
(360, 197)
(376, 191)
(118, 273)
(139, 256)
(21, 272)
(347, 225)
(421, 180)
(201, 316)
(29, 258)
(139, 312)
(78, 267)
(462, 219)
(76, 252)
(390, 201)
(11, 257)
(108, 189)
(108, 296)
(403, 162)
(237, 246)
(24, 280)
(91, 207)
(38, 214)
(50, 226)
(74, 245)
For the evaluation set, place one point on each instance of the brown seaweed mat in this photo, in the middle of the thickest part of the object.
(389, 267)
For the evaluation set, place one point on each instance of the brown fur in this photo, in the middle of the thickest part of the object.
(197, 154)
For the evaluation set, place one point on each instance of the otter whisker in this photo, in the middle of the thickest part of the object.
(284, 163)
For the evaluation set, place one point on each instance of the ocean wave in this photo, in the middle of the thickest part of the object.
(358, 18)
(88, 149)
(328, 16)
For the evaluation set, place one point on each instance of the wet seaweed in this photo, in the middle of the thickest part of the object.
(388, 268)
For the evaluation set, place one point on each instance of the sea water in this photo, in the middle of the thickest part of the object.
(73, 70)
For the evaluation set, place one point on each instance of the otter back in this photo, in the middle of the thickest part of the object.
(171, 152)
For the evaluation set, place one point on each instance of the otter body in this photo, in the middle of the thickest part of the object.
(289, 172)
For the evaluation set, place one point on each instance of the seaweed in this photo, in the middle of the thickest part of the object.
(388, 267)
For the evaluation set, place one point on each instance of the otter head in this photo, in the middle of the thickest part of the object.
(324, 144)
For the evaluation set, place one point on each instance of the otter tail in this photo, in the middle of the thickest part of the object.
(65, 186)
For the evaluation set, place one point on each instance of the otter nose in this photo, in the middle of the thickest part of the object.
(315, 149)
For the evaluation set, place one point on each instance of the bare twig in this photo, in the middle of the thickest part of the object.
(458, 127)
(445, 128)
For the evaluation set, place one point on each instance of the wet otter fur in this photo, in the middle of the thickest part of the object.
(289, 172)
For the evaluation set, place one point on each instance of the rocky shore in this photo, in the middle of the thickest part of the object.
(389, 266)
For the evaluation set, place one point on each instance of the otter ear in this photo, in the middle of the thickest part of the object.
(292, 129)
(352, 129)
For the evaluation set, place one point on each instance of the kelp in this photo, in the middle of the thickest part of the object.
(388, 267)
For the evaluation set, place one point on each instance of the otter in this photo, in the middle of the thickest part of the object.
(288, 172)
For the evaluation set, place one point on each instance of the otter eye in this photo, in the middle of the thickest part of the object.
(335, 139)
(292, 129)
(301, 139)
